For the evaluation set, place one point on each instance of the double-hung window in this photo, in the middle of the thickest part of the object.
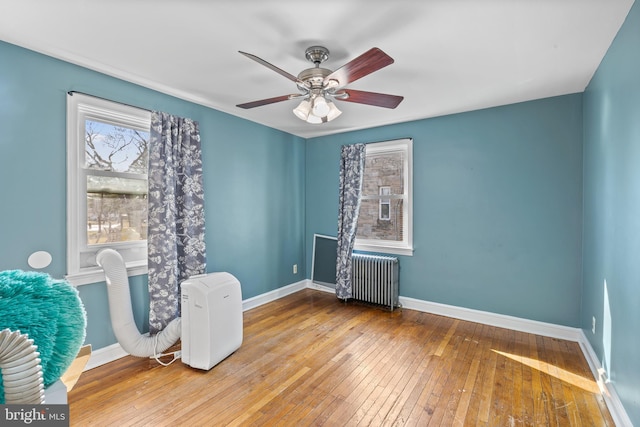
(107, 156)
(385, 219)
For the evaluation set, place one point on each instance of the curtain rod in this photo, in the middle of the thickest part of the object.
(71, 92)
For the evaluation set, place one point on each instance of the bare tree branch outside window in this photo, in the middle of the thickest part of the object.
(116, 203)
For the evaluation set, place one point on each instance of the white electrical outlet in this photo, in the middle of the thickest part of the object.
(593, 324)
(295, 268)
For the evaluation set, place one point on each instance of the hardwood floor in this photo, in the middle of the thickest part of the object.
(309, 359)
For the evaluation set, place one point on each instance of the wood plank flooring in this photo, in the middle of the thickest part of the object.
(309, 359)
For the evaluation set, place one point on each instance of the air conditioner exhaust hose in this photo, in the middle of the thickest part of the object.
(21, 369)
(124, 326)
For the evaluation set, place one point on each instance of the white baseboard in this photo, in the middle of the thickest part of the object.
(259, 300)
(493, 319)
(105, 355)
(113, 352)
(614, 404)
(319, 287)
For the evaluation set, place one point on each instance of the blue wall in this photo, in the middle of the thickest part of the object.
(253, 178)
(611, 272)
(497, 207)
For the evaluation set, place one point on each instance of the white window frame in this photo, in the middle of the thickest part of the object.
(81, 266)
(404, 247)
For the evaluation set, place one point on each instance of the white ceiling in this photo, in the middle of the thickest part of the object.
(450, 55)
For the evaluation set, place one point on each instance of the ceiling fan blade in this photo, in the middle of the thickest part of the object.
(273, 67)
(371, 98)
(370, 61)
(268, 101)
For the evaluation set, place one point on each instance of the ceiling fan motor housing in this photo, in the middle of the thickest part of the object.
(317, 54)
(314, 76)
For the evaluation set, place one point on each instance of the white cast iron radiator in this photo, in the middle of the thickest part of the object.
(375, 279)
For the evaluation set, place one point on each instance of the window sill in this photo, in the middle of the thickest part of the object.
(392, 250)
(96, 274)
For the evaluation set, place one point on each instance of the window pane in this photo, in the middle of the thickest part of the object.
(381, 218)
(116, 210)
(384, 170)
(115, 148)
(370, 226)
(384, 211)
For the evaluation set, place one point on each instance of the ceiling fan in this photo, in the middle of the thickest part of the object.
(318, 86)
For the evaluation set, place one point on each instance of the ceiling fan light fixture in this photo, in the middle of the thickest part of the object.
(320, 106)
(302, 111)
(315, 120)
(333, 111)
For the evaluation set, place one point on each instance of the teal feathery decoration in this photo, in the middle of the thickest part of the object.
(50, 312)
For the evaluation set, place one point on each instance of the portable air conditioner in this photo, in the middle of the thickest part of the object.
(211, 319)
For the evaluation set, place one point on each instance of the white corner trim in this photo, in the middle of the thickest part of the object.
(105, 355)
(319, 287)
(593, 361)
(608, 391)
(259, 300)
(493, 319)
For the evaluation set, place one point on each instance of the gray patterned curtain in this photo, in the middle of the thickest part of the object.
(176, 246)
(351, 177)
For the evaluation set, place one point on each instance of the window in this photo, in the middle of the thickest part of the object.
(385, 220)
(385, 204)
(107, 155)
